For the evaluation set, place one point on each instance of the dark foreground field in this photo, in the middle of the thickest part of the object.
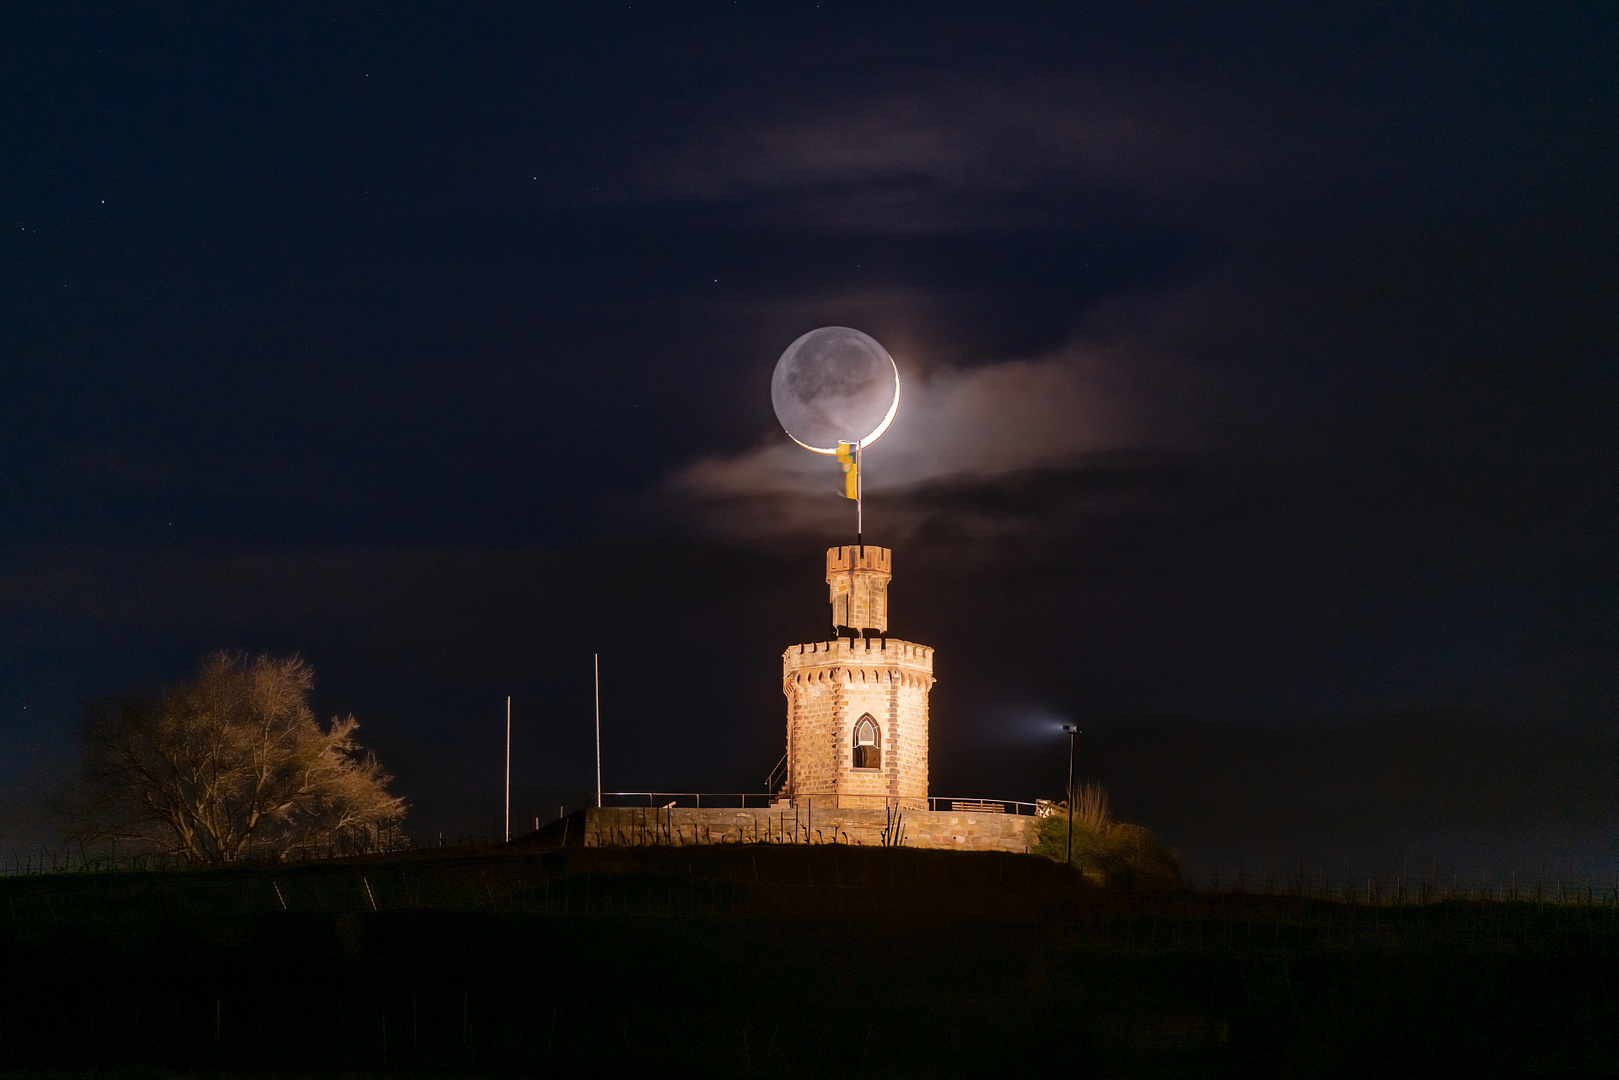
(767, 960)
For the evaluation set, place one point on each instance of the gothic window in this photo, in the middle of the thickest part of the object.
(867, 749)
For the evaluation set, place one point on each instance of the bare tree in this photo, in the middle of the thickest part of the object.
(233, 764)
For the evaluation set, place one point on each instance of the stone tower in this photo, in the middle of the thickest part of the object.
(857, 706)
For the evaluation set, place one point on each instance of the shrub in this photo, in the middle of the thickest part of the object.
(1118, 855)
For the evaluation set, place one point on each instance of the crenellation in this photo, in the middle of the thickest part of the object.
(889, 652)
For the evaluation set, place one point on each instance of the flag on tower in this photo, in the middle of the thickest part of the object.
(851, 470)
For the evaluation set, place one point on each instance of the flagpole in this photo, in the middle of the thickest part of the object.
(859, 509)
(508, 768)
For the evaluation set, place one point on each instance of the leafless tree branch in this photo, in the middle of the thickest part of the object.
(232, 765)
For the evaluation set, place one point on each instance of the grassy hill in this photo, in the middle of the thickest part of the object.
(779, 960)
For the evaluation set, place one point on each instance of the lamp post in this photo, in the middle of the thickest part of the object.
(596, 670)
(1069, 853)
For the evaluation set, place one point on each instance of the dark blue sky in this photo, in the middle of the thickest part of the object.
(1260, 370)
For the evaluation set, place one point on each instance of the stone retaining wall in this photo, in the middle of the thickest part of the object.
(636, 826)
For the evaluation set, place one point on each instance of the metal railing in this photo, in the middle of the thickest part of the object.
(717, 800)
(780, 770)
(958, 804)
(1404, 890)
(80, 859)
(829, 801)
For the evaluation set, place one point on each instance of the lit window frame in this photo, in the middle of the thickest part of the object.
(867, 724)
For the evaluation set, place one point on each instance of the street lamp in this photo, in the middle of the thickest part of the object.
(1072, 731)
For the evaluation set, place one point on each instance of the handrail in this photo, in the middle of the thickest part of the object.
(1008, 806)
(954, 803)
(652, 797)
(770, 781)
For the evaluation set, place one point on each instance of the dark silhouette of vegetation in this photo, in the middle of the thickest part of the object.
(232, 765)
(1108, 852)
(750, 960)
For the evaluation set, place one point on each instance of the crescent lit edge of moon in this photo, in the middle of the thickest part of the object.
(876, 433)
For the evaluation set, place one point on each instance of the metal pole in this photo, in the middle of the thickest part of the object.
(508, 768)
(1068, 855)
(859, 509)
(597, 661)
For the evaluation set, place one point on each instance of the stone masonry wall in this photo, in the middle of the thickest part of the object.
(858, 578)
(829, 686)
(938, 829)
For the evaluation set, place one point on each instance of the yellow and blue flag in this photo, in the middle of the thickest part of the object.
(851, 470)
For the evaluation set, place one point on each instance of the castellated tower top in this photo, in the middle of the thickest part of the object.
(858, 579)
(857, 706)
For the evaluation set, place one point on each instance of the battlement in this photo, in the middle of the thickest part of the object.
(862, 557)
(859, 652)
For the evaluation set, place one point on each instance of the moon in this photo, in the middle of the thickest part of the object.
(835, 385)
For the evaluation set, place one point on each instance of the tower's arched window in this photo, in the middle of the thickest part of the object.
(868, 752)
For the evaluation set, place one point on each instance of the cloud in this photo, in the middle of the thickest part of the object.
(925, 151)
(964, 427)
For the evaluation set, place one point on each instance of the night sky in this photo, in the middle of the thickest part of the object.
(1259, 410)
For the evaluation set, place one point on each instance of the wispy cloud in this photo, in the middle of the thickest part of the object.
(927, 151)
(966, 427)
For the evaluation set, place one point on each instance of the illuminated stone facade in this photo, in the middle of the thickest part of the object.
(857, 580)
(857, 750)
(944, 829)
(857, 707)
